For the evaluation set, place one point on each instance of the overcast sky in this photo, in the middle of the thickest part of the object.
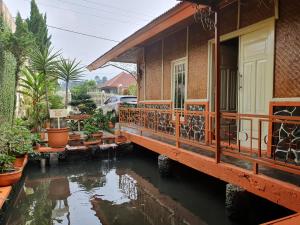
(112, 19)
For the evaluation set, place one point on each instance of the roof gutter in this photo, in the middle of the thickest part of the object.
(175, 15)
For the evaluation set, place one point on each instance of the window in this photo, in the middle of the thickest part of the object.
(179, 84)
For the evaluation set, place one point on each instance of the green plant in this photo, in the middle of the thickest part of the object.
(73, 126)
(112, 117)
(7, 85)
(6, 162)
(15, 140)
(44, 62)
(90, 129)
(69, 70)
(84, 103)
(33, 86)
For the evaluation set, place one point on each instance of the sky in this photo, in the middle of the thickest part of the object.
(111, 19)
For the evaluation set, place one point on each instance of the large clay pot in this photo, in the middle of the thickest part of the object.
(10, 178)
(58, 137)
(21, 161)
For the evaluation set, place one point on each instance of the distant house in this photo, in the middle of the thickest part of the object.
(119, 84)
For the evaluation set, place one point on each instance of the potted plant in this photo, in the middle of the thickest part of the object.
(112, 119)
(58, 135)
(16, 142)
(9, 174)
(73, 136)
(89, 131)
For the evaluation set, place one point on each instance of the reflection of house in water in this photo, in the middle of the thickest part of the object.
(146, 206)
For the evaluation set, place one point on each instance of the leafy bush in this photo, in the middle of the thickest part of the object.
(6, 162)
(15, 140)
(90, 129)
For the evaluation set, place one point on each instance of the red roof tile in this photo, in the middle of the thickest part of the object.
(124, 79)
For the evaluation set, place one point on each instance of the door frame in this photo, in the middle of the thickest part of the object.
(268, 23)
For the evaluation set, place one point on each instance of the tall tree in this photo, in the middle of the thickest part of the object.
(69, 70)
(37, 24)
(45, 62)
(20, 44)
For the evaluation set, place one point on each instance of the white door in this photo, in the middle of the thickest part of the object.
(256, 81)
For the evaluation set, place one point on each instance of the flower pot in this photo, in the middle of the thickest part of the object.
(74, 137)
(21, 161)
(97, 135)
(58, 137)
(89, 143)
(10, 178)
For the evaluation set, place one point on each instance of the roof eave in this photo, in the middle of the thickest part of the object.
(165, 21)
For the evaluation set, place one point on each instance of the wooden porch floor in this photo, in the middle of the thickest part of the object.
(275, 185)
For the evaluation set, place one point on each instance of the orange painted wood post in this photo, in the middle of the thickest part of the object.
(217, 86)
(177, 123)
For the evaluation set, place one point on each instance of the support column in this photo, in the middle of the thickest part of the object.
(217, 85)
(237, 201)
(164, 165)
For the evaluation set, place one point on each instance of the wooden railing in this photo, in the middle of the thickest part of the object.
(271, 141)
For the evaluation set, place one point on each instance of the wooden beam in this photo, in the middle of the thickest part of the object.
(217, 86)
(279, 192)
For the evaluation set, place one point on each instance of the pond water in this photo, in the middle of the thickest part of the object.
(127, 190)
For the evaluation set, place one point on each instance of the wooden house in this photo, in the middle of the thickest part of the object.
(219, 91)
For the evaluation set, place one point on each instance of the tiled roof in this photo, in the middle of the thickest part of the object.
(124, 79)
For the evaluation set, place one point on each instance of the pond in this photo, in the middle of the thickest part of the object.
(126, 190)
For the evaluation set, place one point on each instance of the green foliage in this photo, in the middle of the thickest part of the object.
(6, 162)
(45, 62)
(56, 102)
(7, 85)
(83, 88)
(132, 90)
(14, 140)
(37, 24)
(84, 103)
(33, 86)
(5, 34)
(98, 121)
(20, 43)
(90, 129)
(69, 70)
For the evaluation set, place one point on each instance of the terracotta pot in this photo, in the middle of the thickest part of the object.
(97, 135)
(21, 161)
(74, 137)
(89, 143)
(10, 178)
(58, 137)
(111, 125)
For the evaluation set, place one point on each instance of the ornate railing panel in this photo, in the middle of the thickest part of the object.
(271, 140)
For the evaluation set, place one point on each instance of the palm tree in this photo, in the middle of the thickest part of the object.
(69, 70)
(33, 85)
(45, 62)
